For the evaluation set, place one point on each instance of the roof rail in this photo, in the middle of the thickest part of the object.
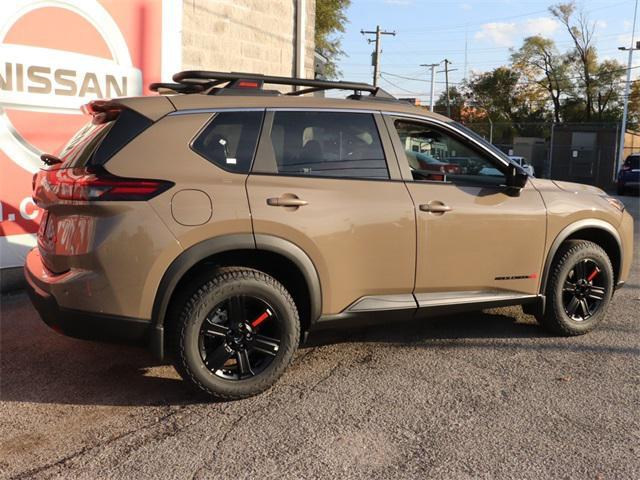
(199, 81)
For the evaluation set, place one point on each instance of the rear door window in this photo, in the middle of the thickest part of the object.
(229, 140)
(327, 144)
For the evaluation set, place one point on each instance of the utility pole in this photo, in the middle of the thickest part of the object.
(627, 90)
(446, 81)
(432, 66)
(466, 51)
(376, 55)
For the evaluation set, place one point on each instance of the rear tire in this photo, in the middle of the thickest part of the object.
(236, 333)
(579, 289)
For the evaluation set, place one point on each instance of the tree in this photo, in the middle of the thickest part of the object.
(330, 21)
(456, 100)
(541, 64)
(581, 30)
(607, 90)
(496, 92)
(634, 105)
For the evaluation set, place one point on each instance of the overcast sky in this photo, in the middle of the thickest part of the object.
(427, 31)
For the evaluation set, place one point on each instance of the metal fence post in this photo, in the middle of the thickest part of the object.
(553, 127)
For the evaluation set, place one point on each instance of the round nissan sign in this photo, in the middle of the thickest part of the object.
(40, 79)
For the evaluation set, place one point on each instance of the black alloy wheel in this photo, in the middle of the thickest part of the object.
(579, 289)
(240, 337)
(583, 290)
(236, 332)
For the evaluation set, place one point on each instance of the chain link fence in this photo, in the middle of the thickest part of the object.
(577, 152)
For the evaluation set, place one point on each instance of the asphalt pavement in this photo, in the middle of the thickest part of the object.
(480, 395)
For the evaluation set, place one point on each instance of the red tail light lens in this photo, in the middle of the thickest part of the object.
(85, 185)
(626, 167)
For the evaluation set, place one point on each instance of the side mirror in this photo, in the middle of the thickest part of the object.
(516, 179)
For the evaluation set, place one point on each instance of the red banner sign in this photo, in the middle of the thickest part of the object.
(55, 56)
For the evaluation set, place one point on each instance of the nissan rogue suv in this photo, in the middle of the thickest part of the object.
(221, 222)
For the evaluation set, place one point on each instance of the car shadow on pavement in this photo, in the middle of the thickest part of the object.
(479, 324)
(76, 372)
(59, 370)
(499, 329)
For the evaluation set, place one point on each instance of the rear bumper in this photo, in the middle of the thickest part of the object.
(76, 323)
(629, 180)
(629, 183)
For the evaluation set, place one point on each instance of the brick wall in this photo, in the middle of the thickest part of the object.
(244, 35)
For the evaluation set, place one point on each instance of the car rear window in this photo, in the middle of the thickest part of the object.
(95, 144)
(229, 140)
(633, 161)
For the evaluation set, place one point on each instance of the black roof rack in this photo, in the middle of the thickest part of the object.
(201, 81)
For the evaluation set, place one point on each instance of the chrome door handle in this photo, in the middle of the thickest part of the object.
(286, 202)
(435, 207)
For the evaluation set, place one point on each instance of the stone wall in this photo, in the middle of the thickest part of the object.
(255, 36)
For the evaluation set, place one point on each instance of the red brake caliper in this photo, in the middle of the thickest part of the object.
(261, 318)
(593, 274)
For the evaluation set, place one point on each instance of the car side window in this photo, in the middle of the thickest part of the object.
(433, 154)
(327, 144)
(229, 140)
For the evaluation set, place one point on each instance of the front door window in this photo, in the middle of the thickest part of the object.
(436, 155)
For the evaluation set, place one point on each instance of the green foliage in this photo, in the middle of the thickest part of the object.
(546, 71)
(543, 84)
(634, 106)
(608, 90)
(584, 56)
(496, 92)
(330, 22)
(457, 102)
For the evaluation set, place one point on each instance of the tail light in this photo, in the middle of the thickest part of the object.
(626, 167)
(85, 185)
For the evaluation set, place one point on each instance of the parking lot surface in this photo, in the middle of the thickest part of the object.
(479, 395)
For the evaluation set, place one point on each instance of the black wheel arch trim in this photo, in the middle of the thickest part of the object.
(571, 229)
(302, 261)
(227, 243)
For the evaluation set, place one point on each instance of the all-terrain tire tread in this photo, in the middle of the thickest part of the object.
(553, 316)
(221, 276)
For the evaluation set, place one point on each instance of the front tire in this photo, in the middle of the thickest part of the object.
(236, 334)
(579, 289)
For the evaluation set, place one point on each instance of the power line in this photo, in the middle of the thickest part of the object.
(413, 79)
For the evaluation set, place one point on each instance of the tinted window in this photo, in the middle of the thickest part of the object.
(633, 162)
(229, 140)
(328, 144)
(77, 152)
(96, 144)
(436, 155)
(126, 127)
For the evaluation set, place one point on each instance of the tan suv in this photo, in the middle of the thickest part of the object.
(222, 222)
